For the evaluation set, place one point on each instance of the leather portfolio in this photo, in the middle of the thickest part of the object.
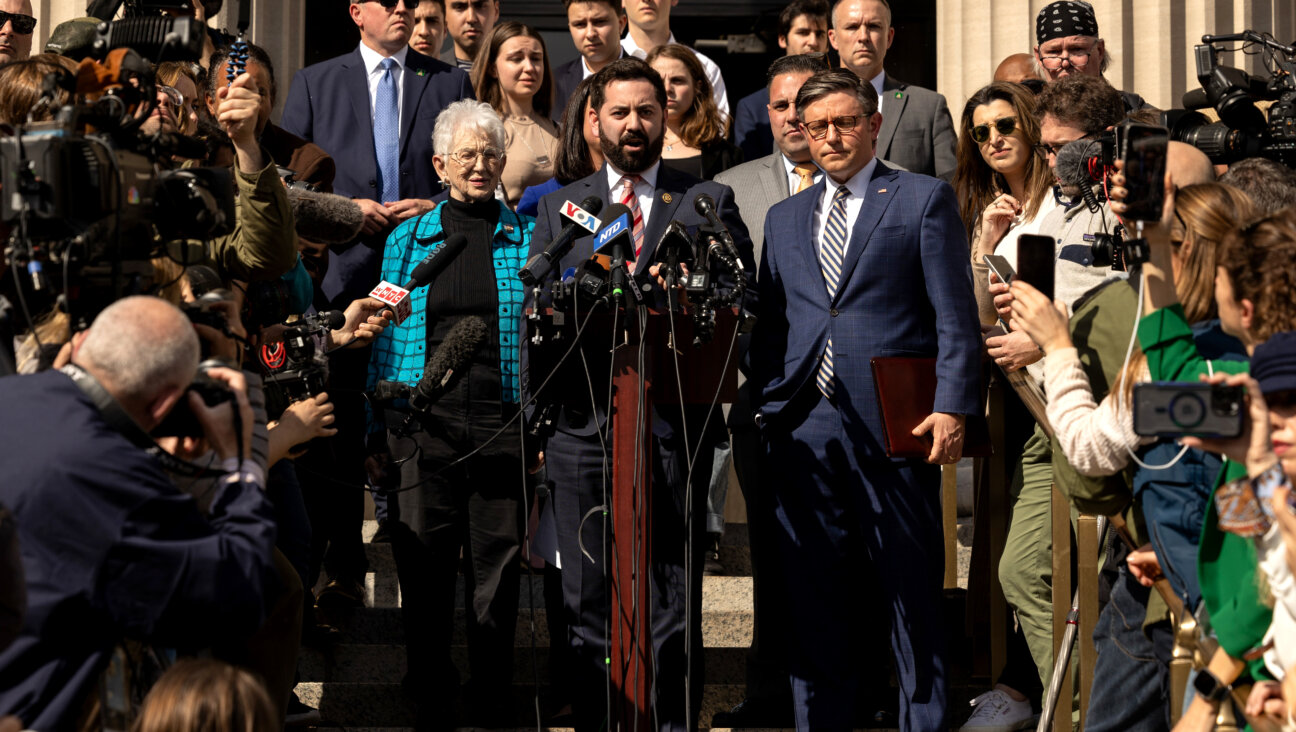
(906, 391)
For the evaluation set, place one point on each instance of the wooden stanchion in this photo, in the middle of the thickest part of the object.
(1087, 560)
(1061, 603)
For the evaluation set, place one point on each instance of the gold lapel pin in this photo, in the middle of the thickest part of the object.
(666, 198)
(881, 190)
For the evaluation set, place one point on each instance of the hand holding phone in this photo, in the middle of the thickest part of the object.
(1036, 262)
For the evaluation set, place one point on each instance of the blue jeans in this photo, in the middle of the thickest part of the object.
(1132, 675)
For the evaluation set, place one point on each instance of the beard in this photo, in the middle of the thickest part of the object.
(626, 161)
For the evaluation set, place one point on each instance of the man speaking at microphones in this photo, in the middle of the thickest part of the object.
(626, 105)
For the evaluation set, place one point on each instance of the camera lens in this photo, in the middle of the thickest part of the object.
(1187, 410)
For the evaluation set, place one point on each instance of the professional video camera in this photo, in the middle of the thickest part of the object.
(306, 364)
(1243, 130)
(88, 195)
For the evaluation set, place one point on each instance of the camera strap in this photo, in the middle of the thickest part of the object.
(117, 418)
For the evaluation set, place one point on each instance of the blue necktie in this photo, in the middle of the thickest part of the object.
(831, 252)
(387, 132)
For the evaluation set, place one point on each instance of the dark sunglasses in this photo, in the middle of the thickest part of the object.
(23, 24)
(1005, 125)
(391, 4)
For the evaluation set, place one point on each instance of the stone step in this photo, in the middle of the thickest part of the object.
(385, 663)
(382, 705)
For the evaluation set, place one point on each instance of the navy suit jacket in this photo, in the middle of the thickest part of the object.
(905, 290)
(680, 188)
(328, 104)
(566, 78)
(752, 132)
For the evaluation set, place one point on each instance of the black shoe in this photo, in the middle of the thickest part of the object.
(341, 593)
(757, 712)
(713, 566)
(300, 715)
(384, 533)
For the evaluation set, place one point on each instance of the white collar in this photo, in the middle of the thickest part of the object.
(372, 58)
(878, 81)
(857, 184)
(649, 176)
(633, 49)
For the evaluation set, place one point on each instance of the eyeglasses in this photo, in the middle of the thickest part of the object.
(23, 25)
(391, 4)
(1005, 126)
(1047, 150)
(1078, 58)
(467, 157)
(819, 128)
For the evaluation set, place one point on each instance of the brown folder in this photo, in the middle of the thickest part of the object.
(906, 391)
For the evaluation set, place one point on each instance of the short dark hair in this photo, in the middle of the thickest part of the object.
(1085, 102)
(617, 10)
(801, 63)
(626, 69)
(1271, 185)
(574, 161)
(836, 80)
(216, 64)
(796, 9)
(439, 4)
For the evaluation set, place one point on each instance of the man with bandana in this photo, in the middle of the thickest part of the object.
(1067, 43)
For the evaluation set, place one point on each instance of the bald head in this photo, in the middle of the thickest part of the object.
(1016, 68)
(1187, 165)
(141, 349)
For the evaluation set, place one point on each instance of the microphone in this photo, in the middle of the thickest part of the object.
(202, 279)
(454, 355)
(578, 218)
(614, 240)
(704, 204)
(324, 217)
(1079, 163)
(398, 298)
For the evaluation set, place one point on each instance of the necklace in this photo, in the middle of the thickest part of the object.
(671, 145)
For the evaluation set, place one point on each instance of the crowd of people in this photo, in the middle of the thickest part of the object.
(186, 464)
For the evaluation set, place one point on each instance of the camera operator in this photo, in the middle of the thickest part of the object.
(110, 547)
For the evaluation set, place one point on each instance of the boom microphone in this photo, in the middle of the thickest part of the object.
(580, 219)
(1079, 163)
(324, 217)
(454, 355)
(398, 298)
(704, 204)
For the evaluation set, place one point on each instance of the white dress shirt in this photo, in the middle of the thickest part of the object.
(794, 178)
(877, 83)
(644, 190)
(374, 73)
(857, 185)
(712, 71)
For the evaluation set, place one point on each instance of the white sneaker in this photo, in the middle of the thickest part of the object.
(995, 711)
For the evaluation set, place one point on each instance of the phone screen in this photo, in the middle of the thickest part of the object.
(999, 265)
(1143, 148)
(1036, 262)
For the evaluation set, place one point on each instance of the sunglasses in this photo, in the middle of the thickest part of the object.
(845, 123)
(391, 4)
(1005, 125)
(23, 25)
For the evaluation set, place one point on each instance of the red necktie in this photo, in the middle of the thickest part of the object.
(631, 201)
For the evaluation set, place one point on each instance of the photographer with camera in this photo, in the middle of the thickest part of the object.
(110, 547)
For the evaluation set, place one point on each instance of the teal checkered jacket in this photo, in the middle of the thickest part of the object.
(400, 351)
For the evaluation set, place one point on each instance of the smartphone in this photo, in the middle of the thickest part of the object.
(1177, 408)
(1143, 148)
(1036, 262)
(999, 265)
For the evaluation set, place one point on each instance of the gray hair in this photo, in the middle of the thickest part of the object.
(836, 80)
(140, 346)
(1043, 73)
(467, 114)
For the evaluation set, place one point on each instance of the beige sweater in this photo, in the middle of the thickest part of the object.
(1096, 438)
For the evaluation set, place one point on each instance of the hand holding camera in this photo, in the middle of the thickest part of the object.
(228, 434)
(303, 421)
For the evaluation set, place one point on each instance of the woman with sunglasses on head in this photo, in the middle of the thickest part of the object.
(695, 139)
(511, 74)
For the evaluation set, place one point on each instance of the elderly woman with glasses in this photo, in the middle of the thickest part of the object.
(460, 459)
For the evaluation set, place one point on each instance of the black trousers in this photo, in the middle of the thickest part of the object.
(474, 510)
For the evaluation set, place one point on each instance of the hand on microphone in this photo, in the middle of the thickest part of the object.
(656, 271)
(365, 319)
(377, 216)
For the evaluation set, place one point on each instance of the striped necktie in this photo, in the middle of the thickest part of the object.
(806, 171)
(831, 250)
(386, 129)
(631, 201)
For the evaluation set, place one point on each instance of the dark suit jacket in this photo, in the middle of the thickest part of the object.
(905, 290)
(566, 78)
(917, 132)
(328, 104)
(752, 132)
(306, 159)
(681, 189)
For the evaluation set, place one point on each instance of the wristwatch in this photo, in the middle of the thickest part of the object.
(1210, 687)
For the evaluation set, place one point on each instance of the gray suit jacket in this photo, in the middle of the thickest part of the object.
(757, 186)
(917, 131)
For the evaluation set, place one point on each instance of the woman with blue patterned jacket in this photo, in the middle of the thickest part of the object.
(475, 507)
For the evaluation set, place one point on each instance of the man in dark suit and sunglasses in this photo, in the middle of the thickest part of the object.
(16, 27)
